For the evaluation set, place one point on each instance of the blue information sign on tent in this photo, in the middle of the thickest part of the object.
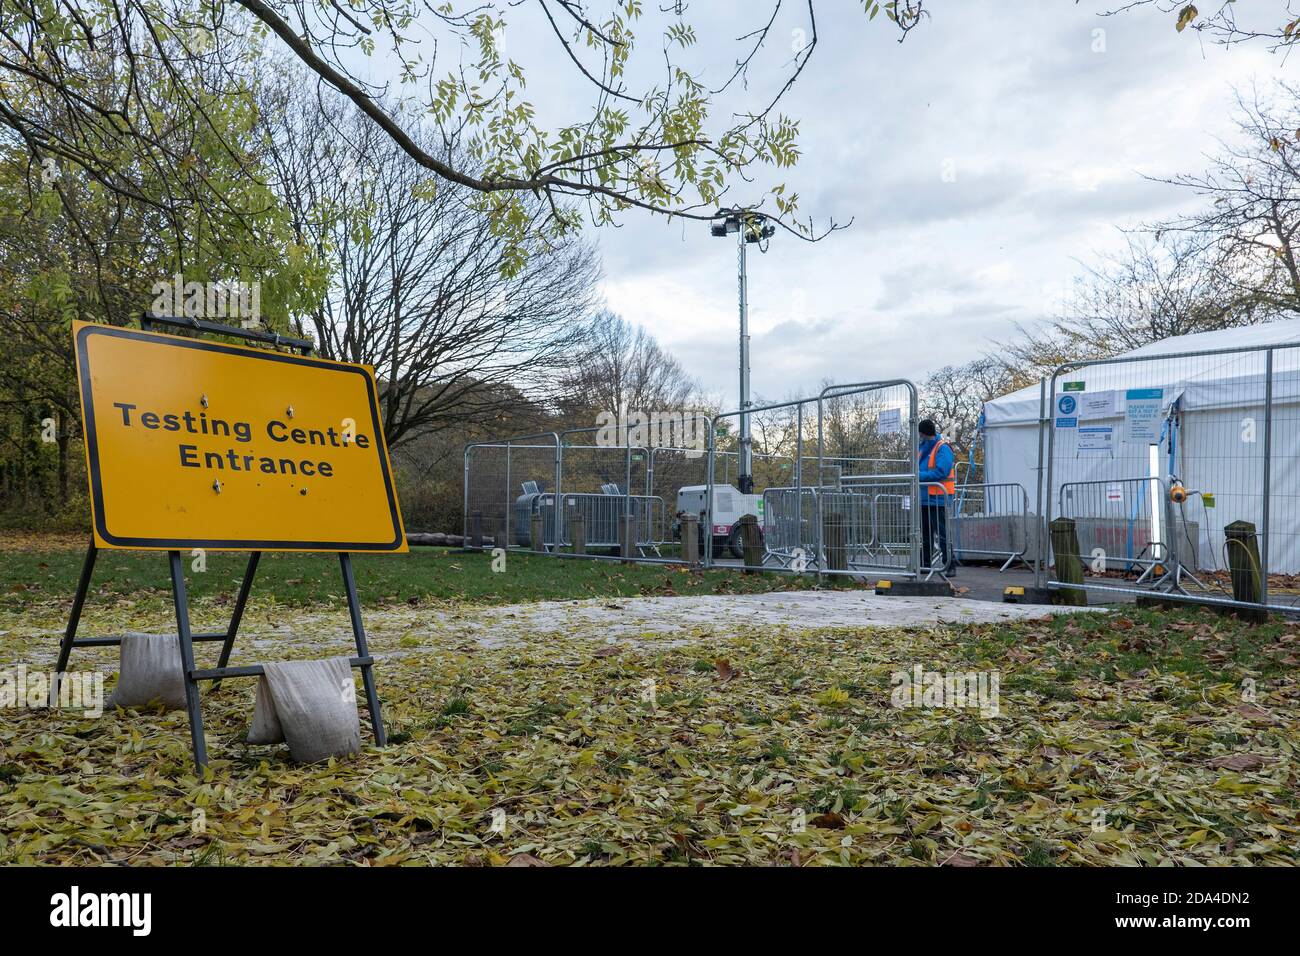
(1142, 414)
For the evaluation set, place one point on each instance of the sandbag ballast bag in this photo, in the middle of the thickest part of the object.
(311, 705)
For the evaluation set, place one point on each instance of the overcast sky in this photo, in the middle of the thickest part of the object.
(980, 162)
(1045, 129)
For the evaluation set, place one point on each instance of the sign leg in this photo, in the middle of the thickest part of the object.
(359, 632)
(74, 618)
(237, 616)
(181, 601)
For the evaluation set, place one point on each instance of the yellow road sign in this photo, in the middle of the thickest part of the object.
(199, 444)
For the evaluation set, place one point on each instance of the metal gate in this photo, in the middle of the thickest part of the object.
(844, 504)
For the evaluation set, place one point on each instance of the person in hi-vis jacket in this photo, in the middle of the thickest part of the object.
(937, 466)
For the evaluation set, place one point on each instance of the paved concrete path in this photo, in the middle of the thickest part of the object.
(656, 619)
(632, 617)
(401, 631)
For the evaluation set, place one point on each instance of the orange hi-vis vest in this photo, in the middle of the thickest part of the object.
(949, 484)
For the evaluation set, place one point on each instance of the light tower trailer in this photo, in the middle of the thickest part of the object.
(729, 506)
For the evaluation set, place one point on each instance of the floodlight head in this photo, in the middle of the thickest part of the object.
(725, 224)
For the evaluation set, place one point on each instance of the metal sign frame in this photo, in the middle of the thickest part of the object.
(193, 674)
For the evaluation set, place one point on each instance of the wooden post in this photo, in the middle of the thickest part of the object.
(690, 539)
(1069, 565)
(751, 543)
(627, 537)
(1243, 561)
(476, 530)
(837, 558)
(538, 541)
(578, 532)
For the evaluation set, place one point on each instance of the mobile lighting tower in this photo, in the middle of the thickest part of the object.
(749, 227)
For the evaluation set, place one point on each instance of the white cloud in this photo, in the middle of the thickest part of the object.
(1050, 142)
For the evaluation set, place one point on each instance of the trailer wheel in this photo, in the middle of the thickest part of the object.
(736, 543)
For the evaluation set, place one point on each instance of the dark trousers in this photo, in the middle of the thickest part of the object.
(934, 520)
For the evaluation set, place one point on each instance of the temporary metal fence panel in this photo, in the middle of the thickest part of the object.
(670, 470)
(872, 421)
(602, 517)
(878, 522)
(875, 518)
(1121, 525)
(777, 428)
(846, 455)
(1282, 555)
(789, 527)
(591, 464)
(497, 473)
(1213, 434)
(851, 451)
(990, 521)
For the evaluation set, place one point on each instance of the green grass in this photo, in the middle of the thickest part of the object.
(1140, 641)
(425, 575)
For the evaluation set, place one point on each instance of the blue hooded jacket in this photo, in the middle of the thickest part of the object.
(944, 462)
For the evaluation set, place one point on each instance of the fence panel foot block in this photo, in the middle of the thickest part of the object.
(914, 589)
(1028, 595)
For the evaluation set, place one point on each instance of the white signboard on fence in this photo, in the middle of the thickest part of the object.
(1097, 404)
(1096, 438)
(1114, 492)
(890, 421)
(1142, 415)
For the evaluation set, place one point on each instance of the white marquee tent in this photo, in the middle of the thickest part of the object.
(1208, 421)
